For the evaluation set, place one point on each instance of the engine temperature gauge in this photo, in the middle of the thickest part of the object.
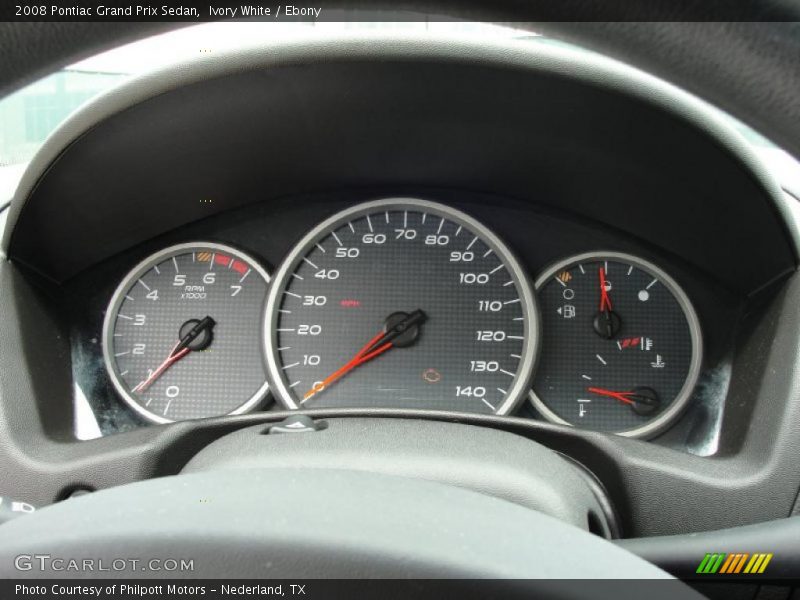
(621, 345)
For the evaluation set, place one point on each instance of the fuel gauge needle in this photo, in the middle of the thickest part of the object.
(196, 335)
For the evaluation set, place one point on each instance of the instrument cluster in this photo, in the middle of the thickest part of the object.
(403, 303)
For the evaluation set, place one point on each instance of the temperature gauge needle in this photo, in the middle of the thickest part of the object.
(376, 346)
(194, 335)
(626, 397)
(642, 400)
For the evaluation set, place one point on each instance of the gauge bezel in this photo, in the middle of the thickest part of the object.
(531, 331)
(116, 301)
(662, 421)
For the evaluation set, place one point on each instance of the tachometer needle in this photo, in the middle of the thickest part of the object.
(196, 336)
(376, 346)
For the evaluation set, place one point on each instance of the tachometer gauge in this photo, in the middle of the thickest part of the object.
(401, 303)
(621, 345)
(182, 334)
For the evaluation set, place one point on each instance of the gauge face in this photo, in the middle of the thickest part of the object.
(401, 303)
(182, 335)
(621, 345)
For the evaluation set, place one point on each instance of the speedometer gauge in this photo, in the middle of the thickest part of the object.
(182, 338)
(621, 345)
(401, 303)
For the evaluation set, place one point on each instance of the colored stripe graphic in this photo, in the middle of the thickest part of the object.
(711, 563)
(734, 563)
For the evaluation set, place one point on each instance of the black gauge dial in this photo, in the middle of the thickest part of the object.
(401, 303)
(182, 336)
(621, 345)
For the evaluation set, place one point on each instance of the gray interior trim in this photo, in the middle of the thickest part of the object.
(316, 523)
(594, 69)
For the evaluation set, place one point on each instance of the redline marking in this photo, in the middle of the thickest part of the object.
(221, 259)
(245, 275)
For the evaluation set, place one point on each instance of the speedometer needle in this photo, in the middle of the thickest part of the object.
(377, 345)
(196, 336)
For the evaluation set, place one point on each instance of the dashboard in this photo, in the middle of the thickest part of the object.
(511, 236)
(503, 309)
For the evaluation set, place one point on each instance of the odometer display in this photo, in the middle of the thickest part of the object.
(401, 303)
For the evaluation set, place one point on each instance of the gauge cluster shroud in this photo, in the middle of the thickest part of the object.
(532, 242)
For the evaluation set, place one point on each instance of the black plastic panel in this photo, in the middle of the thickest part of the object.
(539, 137)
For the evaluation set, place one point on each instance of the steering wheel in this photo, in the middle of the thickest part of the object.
(345, 498)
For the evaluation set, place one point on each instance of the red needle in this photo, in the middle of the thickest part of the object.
(377, 345)
(605, 301)
(168, 362)
(621, 396)
(360, 358)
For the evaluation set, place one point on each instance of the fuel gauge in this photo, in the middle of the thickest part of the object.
(621, 345)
